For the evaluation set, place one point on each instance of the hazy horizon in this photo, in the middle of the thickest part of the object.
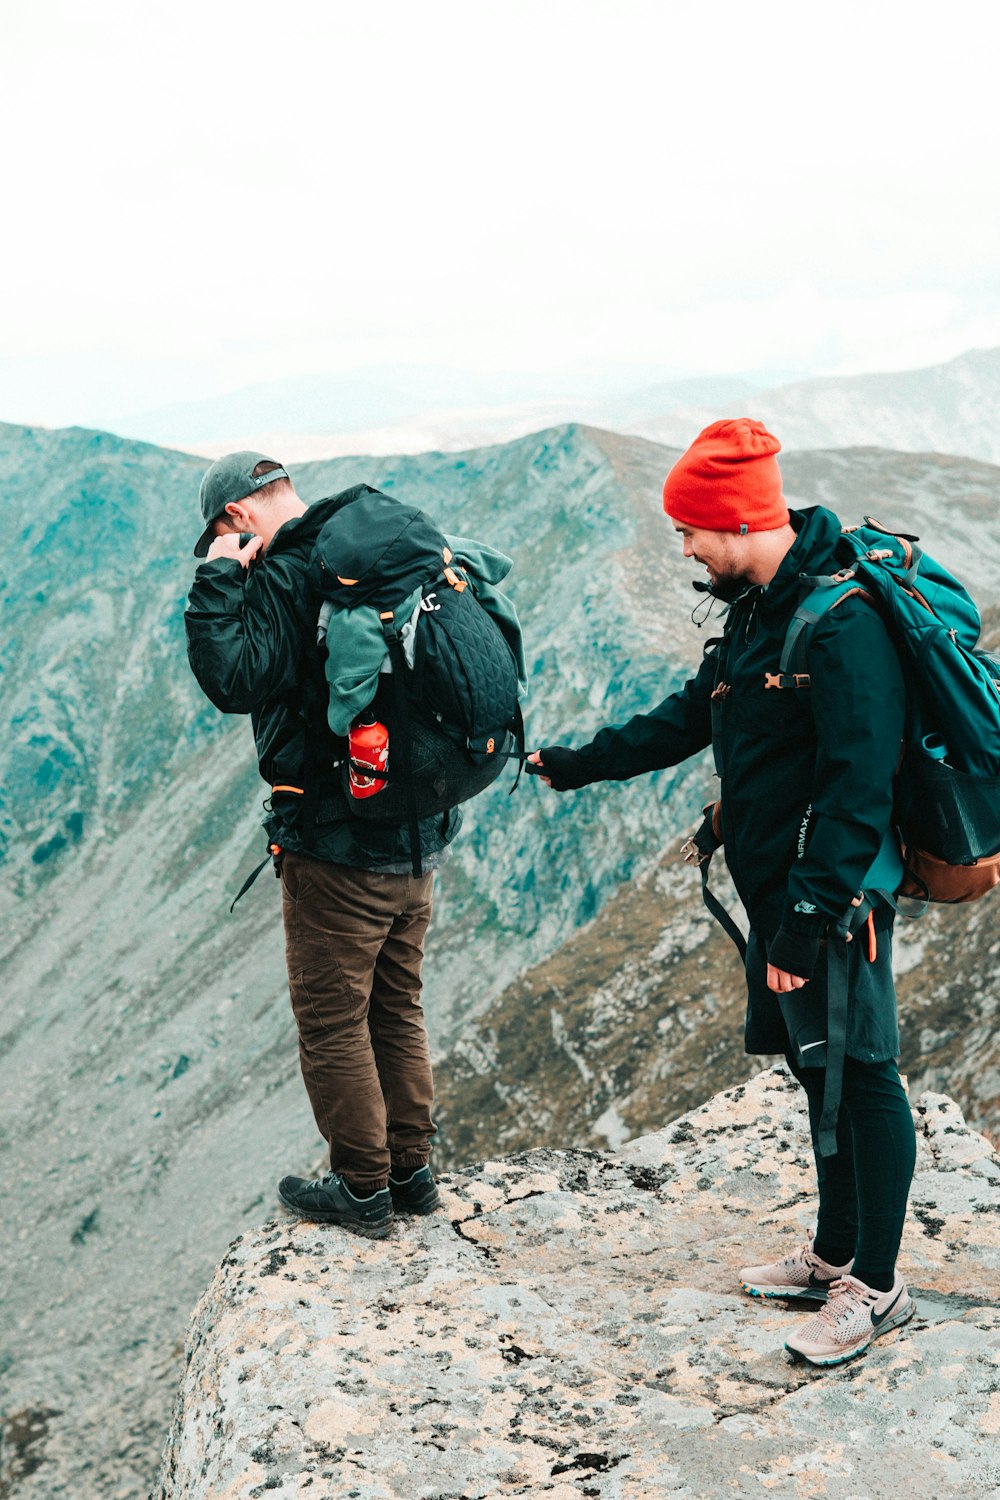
(208, 197)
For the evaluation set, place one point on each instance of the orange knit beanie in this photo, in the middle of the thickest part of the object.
(728, 480)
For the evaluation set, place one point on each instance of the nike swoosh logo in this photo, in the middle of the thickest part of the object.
(878, 1318)
(818, 1281)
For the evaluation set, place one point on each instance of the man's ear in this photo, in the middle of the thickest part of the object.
(238, 517)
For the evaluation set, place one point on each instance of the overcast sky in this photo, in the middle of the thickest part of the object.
(200, 196)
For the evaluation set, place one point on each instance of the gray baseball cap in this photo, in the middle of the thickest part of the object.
(230, 479)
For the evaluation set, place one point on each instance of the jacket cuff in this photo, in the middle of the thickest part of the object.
(221, 565)
(795, 948)
(565, 768)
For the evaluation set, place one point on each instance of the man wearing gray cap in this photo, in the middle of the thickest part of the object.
(354, 913)
(226, 486)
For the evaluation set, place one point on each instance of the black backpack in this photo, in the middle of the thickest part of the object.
(450, 701)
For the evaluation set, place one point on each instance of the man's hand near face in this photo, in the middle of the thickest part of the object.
(228, 545)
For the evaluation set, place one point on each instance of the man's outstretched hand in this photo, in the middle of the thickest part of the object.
(563, 769)
(535, 759)
(229, 545)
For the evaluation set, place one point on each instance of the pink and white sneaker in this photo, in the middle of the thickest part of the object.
(801, 1274)
(854, 1315)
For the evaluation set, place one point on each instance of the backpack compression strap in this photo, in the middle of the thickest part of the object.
(397, 656)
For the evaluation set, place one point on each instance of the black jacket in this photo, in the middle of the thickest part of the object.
(252, 646)
(805, 775)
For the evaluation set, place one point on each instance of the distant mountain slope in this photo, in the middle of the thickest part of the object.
(949, 408)
(412, 409)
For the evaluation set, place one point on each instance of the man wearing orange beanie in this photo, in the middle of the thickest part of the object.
(806, 764)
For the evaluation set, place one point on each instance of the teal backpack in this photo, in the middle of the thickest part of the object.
(947, 795)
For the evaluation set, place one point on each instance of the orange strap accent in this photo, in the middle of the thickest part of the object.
(296, 789)
(853, 594)
(458, 584)
(872, 943)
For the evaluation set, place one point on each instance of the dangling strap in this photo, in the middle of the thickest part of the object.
(519, 743)
(274, 853)
(401, 735)
(699, 850)
(836, 1039)
(837, 990)
(719, 912)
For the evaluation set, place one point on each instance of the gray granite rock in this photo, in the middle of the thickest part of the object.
(571, 1326)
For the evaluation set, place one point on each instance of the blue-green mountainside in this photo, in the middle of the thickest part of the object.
(148, 1059)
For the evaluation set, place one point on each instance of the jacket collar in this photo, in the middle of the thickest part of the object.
(813, 551)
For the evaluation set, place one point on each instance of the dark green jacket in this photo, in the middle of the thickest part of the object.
(251, 637)
(805, 775)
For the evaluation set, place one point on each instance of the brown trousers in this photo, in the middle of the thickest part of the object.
(354, 942)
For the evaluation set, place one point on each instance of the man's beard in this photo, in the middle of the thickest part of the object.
(729, 586)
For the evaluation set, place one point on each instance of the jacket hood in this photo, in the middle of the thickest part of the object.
(375, 550)
(299, 534)
(813, 552)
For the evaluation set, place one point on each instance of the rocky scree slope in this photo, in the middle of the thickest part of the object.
(571, 1325)
(643, 1009)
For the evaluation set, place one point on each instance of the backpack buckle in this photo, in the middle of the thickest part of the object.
(692, 855)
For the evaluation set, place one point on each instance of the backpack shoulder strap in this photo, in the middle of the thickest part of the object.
(824, 594)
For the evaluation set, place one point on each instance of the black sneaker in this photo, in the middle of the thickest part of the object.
(416, 1194)
(331, 1201)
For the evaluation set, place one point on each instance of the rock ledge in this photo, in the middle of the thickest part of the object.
(570, 1327)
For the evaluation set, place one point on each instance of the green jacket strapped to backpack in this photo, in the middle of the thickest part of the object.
(355, 644)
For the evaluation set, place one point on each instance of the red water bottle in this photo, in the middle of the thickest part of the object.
(368, 748)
